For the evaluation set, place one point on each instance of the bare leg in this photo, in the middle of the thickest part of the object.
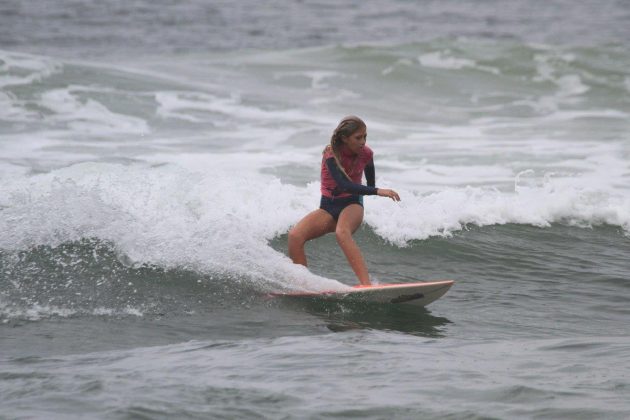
(315, 224)
(349, 221)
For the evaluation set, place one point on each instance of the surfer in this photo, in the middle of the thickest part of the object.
(344, 161)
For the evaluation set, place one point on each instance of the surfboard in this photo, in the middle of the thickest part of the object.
(419, 293)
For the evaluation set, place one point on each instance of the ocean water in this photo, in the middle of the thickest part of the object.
(153, 156)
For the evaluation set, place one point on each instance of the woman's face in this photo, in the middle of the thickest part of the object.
(355, 141)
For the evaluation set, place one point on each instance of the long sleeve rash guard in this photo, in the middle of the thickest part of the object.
(344, 185)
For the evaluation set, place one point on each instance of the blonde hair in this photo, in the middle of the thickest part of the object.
(345, 128)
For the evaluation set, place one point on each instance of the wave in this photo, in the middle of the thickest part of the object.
(442, 213)
(91, 277)
(104, 239)
(164, 216)
(217, 220)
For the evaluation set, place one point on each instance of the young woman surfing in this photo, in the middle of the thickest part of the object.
(344, 161)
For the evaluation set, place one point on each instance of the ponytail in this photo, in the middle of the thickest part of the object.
(345, 128)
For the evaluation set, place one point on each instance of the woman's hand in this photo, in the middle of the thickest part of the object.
(384, 192)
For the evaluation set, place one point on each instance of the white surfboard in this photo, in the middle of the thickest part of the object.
(419, 294)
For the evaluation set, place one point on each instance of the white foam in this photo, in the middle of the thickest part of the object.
(317, 78)
(13, 109)
(452, 175)
(445, 60)
(129, 310)
(176, 104)
(238, 163)
(442, 213)
(29, 146)
(209, 221)
(36, 312)
(24, 69)
(457, 161)
(571, 85)
(555, 67)
(404, 62)
(88, 115)
(441, 60)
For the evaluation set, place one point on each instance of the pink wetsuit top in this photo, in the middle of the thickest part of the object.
(354, 165)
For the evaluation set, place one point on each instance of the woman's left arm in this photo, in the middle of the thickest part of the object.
(370, 177)
(370, 173)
